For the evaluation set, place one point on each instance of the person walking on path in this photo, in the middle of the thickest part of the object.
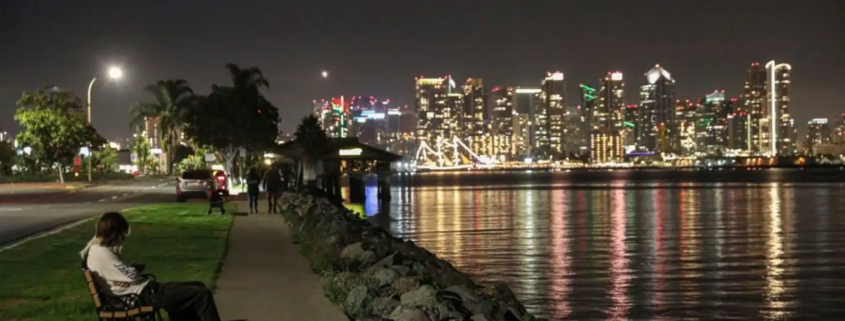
(182, 300)
(252, 183)
(272, 185)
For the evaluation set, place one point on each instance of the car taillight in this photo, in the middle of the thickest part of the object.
(221, 178)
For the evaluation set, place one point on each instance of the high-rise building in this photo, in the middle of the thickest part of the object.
(502, 123)
(334, 115)
(587, 108)
(839, 130)
(711, 124)
(685, 116)
(400, 126)
(754, 101)
(781, 124)
(633, 124)
(527, 103)
(608, 119)
(739, 134)
(818, 133)
(657, 113)
(521, 134)
(434, 119)
(153, 131)
(554, 107)
(476, 116)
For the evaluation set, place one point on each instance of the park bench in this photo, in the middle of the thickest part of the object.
(124, 307)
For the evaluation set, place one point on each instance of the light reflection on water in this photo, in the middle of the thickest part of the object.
(653, 245)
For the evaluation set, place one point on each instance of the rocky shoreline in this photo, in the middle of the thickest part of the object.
(375, 276)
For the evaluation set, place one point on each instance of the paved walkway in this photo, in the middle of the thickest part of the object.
(265, 278)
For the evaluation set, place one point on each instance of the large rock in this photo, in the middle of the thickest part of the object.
(405, 284)
(354, 252)
(358, 301)
(386, 276)
(383, 307)
(424, 296)
(404, 313)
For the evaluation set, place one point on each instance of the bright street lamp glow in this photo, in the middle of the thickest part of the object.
(115, 73)
(325, 74)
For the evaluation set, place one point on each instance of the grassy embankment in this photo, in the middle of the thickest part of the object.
(42, 279)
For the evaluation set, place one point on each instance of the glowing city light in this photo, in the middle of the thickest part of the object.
(350, 152)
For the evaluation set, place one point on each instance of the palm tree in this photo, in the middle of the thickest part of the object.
(311, 139)
(247, 81)
(172, 98)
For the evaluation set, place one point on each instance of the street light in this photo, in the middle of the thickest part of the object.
(114, 73)
(325, 74)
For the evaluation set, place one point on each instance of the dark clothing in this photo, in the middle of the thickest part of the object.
(185, 301)
(215, 200)
(253, 202)
(274, 185)
(252, 182)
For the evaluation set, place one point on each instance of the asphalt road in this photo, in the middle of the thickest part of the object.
(30, 213)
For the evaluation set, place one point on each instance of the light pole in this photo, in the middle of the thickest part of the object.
(114, 73)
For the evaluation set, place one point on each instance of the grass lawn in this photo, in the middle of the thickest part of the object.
(42, 279)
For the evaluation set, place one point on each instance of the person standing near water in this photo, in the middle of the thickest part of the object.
(252, 183)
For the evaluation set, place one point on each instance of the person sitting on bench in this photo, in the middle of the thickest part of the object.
(181, 300)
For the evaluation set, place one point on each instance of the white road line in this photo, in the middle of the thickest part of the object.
(114, 197)
(102, 200)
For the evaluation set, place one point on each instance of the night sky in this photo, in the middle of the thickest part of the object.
(377, 47)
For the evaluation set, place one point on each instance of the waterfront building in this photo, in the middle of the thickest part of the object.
(818, 133)
(475, 117)
(781, 125)
(502, 123)
(400, 127)
(527, 102)
(711, 124)
(587, 108)
(434, 118)
(657, 112)
(754, 103)
(739, 132)
(521, 134)
(632, 128)
(839, 130)
(685, 116)
(608, 119)
(551, 118)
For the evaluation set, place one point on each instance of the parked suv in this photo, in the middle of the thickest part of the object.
(194, 184)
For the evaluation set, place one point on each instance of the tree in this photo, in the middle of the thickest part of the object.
(7, 157)
(105, 160)
(310, 141)
(172, 100)
(141, 149)
(234, 117)
(54, 127)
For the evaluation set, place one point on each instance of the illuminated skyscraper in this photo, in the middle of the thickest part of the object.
(553, 94)
(781, 124)
(434, 118)
(633, 123)
(588, 106)
(153, 131)
(754, 101)
(739, 124)
(839, 130)
(502, 123)
(521, 134)
(658, 132)
(475, 116)
(527, 103)
(608, 119)
(711, 126)
(335, 116)
(818, 132)
(686, 117)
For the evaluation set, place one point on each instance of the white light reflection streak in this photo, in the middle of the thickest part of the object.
(774, 253)
(560, 278)
(619, 262)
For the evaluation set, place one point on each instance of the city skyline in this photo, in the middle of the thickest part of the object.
(367, 49)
